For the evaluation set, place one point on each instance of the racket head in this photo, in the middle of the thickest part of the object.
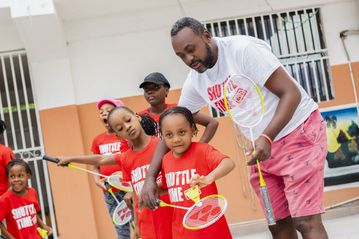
(205, 212)
(115, 180)
(243, 101)
(122, 214)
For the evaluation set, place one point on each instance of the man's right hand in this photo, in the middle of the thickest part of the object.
(149, 194)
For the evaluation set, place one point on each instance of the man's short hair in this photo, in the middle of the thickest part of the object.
(189, 22)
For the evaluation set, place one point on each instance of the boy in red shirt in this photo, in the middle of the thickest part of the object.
(19, 204)
(188, 164)
(155, 90)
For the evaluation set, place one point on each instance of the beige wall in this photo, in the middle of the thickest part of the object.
(70, 130)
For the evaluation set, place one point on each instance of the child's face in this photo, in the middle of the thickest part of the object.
(155, 94)
(18, 178)
(177, 133)
(125, 124)
(104, 110)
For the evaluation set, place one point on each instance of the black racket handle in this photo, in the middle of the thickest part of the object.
(50, 159)
(107, 185)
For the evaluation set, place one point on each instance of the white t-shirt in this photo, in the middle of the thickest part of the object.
(253, 58)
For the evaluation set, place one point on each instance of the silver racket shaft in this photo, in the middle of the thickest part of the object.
(267, 206)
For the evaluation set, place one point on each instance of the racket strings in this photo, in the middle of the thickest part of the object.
(115, 181)
(205, 212)
(122, 214)
(244, 100)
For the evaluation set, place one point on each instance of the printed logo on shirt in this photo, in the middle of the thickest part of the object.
(175, 182)
(138, 176)
(215, 95)
(108, 149)
(25, 216)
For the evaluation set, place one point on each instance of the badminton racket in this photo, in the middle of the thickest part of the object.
(114, 180)
(244, 104)
(122, 214)
(203, 213)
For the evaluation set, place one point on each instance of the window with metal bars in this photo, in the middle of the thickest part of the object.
(23, 133)
(296, 38)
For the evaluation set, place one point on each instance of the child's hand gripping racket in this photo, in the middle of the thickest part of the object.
(204, 212)
(114, 180)
(244, 104)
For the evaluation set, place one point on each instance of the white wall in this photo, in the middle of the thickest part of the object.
(338, 17)
(110, 56)
(9, 39)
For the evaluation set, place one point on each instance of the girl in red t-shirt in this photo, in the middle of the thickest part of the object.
(134, 164)
(107, 143)
(189, 164)
(19, 204)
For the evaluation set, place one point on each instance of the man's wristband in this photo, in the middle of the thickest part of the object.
(267, 137)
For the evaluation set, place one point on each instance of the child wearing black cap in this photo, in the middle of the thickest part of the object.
(155, 90)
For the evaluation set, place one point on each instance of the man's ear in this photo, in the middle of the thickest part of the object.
(207, 36)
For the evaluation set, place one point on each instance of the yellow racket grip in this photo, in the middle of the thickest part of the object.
(162, 204)
(262, 183)
(70, 165)
(42, 232)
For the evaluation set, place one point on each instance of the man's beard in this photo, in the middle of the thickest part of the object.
(209, 61)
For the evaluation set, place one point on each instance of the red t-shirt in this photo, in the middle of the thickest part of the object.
(153, 224)
(6, 155)
(200, 159)
(20, 213)
(156, 117)
(107, 144)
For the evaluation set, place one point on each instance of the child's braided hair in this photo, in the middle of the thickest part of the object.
(179, 110)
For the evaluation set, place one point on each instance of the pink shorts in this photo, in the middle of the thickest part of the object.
(294, 174)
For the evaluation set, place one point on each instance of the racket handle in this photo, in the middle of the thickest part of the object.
(50, 159)
(54, 160)
(107, 185)
(267, 207)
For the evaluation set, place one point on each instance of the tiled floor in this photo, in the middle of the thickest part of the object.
(340, 223)
(337, 228)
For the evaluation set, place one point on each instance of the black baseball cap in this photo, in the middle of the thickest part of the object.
(155, 78)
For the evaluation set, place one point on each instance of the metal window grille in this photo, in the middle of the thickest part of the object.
(23, 134)
(296, 38)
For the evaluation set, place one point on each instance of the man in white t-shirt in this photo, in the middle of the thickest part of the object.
(290, 140)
